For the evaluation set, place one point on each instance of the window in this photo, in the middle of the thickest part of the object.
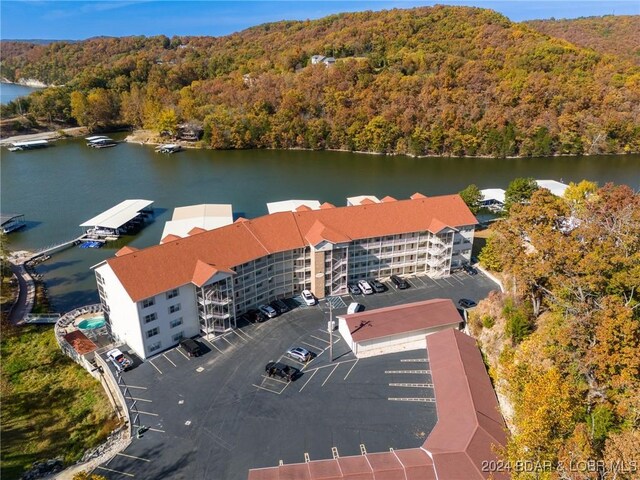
(150, 318)
(147, 302)
(177, 337)
(175, 323)
(172, 293)
(99, 279)
(153, 332)
(155, 346)
(174, 308)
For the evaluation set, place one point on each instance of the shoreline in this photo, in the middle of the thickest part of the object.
(27, 82)
(146, 137)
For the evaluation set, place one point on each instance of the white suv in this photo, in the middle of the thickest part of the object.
(308, 297)
(365, 287)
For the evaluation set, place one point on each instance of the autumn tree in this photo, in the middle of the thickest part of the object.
(472, 197)
(519, 191)
(87, 476)
(578, 193)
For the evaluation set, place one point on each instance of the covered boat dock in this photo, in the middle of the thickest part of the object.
(126, 217)
(30, 145)
(11, 221)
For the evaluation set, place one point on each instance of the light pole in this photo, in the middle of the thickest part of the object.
(330, 325)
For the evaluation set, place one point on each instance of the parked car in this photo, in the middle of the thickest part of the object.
(308, 297)
(268, 310)
(354, 289)
(354, 308)
(280, 306)
(276, 369)
(466, 303)
(365, 287)
(120, 361)
(399, 283)
(470, 270)
(300, 354)
(191, 347)
(254, 316)
(377, 286)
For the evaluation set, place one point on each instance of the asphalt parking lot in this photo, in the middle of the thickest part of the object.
(218, 415)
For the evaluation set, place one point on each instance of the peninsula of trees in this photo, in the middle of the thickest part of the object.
(426, 81)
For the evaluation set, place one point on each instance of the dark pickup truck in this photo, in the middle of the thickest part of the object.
(276, 369)
(190, 346)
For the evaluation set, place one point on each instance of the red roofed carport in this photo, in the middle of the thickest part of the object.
(398, 328)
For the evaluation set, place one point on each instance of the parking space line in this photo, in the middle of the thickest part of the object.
(139, 399)
(267, 389)
(133, 386)
(435, 281)
(416, 385)
(325, 380)
(154, 366)
(213, 345)
(116, 471)
(149, 413)
(421, 360)
(239, 336)
(345, 377)
(415, 399)
(169, 360)
(225, 339)
(421, 372)
(238, 332)
(132, 456)
(318, 338)
(274, 379)
(305, 384)
(311, 345)
(155, 430)
(421, 280)
(182, 353)
(447, 281)
(458, 280)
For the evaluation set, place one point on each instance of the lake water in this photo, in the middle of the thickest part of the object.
(60, 187)
(11, 91)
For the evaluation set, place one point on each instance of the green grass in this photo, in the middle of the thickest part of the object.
(51, 407)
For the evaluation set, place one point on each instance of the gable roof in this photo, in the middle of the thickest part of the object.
(406, 318)
(469, 420)
(159, 268)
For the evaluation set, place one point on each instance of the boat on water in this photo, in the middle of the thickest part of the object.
(168, 148)
(30, 145)
(100, 141)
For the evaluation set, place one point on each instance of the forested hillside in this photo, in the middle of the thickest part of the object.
(439, 81)
(564, 342)
(617, 35)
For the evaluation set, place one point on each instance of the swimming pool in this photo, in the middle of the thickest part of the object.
(92, 323)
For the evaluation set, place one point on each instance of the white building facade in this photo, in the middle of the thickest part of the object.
(154, 297)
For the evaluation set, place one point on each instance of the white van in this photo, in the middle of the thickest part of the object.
(354, 308)
(365, 287)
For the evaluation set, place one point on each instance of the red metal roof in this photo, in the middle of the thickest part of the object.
(406, 318)
(469, 424)
(157, 269)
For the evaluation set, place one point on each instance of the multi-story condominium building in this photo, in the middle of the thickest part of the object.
(155, 296)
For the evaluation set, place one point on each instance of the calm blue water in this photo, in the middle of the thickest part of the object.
(11, 91)
(60, 187)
